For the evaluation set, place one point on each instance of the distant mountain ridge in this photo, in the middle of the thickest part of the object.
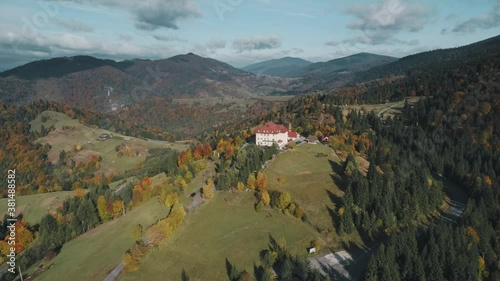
(59, 67)
(133, 88)
(296, 67)
(353, 63)
(184, 75)
(277, 67)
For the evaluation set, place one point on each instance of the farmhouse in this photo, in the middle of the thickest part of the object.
(272, 133)
(104, 137)
(311, 250)
(312, 140)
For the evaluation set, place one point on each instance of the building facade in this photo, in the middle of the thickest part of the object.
(272, 133)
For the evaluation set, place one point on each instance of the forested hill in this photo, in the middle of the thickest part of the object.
(437, 59)
(18, 149)
(456, 131)
(84, 81)
(59, 67)
(453, 131)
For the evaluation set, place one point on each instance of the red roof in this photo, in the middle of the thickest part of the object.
(272, 128)
(292, 135)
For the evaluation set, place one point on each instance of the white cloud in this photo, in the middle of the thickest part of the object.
(380, 23)
(151, 14)
(168, 38)
(256, 43)
(216, 44)
(22, 47)
(72, 25)
(486, 21)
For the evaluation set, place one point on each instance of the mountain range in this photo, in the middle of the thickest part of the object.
(130, 88)
(295, 67)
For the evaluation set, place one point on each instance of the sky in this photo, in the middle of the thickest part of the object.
(239, 32)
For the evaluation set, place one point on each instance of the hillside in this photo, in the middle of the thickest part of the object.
(143, 90)
(277, 67)
(357, 62)
(69, 133)
(58, 67)
(147, 92)
(73, 79)
(437, 59)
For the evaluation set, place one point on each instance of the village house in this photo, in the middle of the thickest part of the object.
(104, 137)
(311, 250)
(272, 133)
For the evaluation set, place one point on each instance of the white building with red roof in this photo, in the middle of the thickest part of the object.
(271, 133)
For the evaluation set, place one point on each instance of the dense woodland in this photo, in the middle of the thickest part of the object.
(456, 131)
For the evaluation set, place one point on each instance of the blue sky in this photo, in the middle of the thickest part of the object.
(238, 32)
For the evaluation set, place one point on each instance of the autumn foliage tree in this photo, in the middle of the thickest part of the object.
(251, 181)
(137, 232)
(265, 197)
(171, 199)
(208, 189)
(261, 181)
(117, 208)
(101, 208)
(23, 238)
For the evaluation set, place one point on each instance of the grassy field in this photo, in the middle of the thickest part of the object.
(34, 207)
(392, 107)
(69, 132)
(114, 185)
(309, 179)
(225, 227)
(197, 182)
(94, 254)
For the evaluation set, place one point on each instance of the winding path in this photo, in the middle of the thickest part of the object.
(115, 273)
(381, 113)
(348, 265)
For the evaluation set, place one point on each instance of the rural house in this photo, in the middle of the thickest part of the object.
(271, 133)
(104, 137)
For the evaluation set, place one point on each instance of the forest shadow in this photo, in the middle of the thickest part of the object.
(334, 218)
(335, 199)
(184, 275)
(338, 175)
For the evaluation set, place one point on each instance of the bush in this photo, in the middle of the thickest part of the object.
(299, 212)
(258, 206)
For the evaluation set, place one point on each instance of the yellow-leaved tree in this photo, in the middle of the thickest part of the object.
(101, 208)
(240, 186)
(208, 189)
(251, 181)
(264, 197)
(172, 198)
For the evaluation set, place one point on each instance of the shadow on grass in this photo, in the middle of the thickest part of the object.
(334, 218)
(338, 174)
(184, 276)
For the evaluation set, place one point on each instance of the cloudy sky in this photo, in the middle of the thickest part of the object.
(238, 32)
